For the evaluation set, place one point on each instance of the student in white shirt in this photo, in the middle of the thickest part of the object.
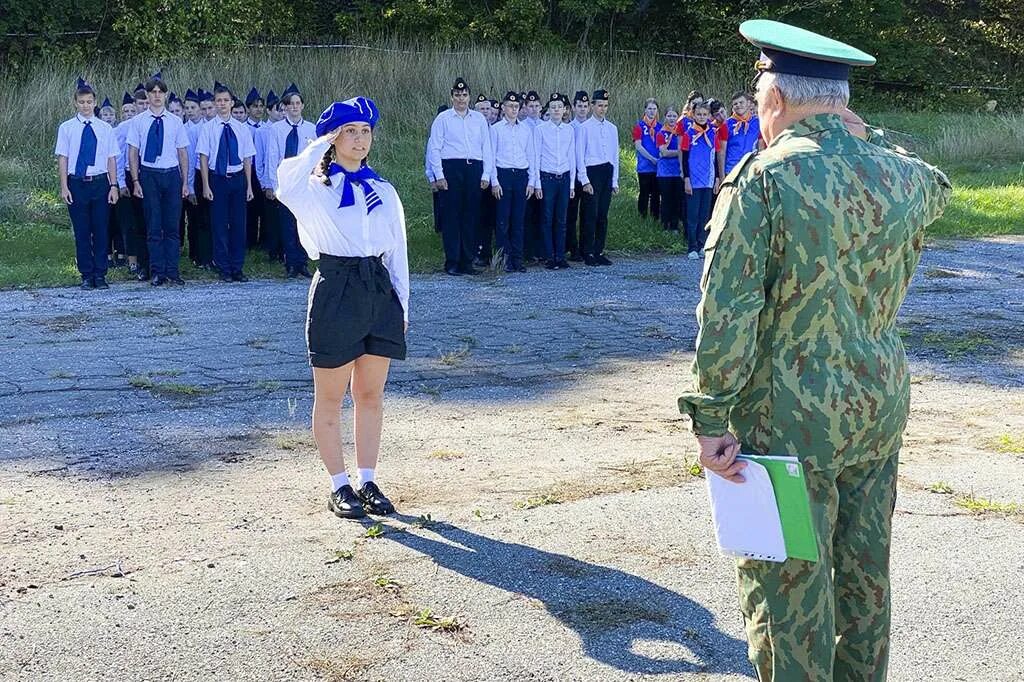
(128, 217)
(270, 228)
(226, 152)
(255, 108)
(352, 221)
(86, 154)
(597, 166)
(460, 156)
(196, 212)
(512, 140)
(554, 176)
(286, 139)
(158, 159)
(574, 217)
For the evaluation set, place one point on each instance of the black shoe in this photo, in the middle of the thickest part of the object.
(601, 260)
(575, 258)
(520, 268)
(344, 503)
(292, 273)
(454, 272)
(157, 280)
(562, 265)
(176, 280)
(304, 272)
(101, 283)
(590, 260)
(239, 277)
(374, 501)
(469, 271)
(551, 265)
(224, 277)
(141, 275)
(87, 283)
(480, 262)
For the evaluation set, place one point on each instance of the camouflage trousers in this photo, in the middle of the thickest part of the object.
(829, 620)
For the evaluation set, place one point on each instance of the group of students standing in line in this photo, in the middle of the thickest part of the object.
(536, 180)
(206, 165)
(682, 160)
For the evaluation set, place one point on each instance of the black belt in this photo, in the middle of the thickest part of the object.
(87, 178)
(513, 170)
(147, 169)
(371, 269)
(228, 175)
(554, 176)
(467, 161)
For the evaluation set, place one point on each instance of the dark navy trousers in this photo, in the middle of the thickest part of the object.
(294, 254)
(460, 211)
(556, 205)
(510, 213)
(161, 205)
(595, 209)
(227, 218)
(90, 220)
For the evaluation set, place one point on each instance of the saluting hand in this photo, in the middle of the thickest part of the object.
(496, 191)
(718, 455)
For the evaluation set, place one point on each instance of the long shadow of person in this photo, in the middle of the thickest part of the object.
(610, 610)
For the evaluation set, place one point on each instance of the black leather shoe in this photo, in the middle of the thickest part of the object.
(480, 262)
(344, 503)
(304, 272)
(601, 260)
(239, 277)
(454, 272)
(176, 280)
(374, 501)
(101, 283)
(224, 277)
(157, 280)
(590, 260)
(469, 271)
(551, 265)
(575, 258)
(292, 273)
(87, 283)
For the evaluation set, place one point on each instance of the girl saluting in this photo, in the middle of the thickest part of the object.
(352, 221)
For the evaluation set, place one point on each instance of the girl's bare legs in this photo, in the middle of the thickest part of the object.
(368, 379)
(329, 386)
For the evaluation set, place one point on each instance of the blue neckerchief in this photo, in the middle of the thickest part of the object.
(360, 176)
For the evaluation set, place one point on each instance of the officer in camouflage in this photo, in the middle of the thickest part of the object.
(812, 246)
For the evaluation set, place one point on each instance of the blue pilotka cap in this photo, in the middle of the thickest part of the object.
(253, 96)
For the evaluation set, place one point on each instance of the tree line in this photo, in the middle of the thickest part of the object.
(928, 51)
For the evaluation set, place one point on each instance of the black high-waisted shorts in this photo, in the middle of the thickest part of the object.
(353, 310)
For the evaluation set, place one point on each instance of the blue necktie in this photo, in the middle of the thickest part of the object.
(361, 176)
(291, 144)
(227, 150)
(86, 151)
(155, 139)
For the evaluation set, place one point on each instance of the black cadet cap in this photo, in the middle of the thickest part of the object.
(581, 96)
(558, 97)
(513, 97)
(600, 94)
(460, 84)
(532, 96)
(481, 98)
(495, 104)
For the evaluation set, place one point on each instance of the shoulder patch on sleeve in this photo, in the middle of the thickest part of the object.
(734, 174)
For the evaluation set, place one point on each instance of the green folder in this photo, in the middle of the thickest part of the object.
(787, 476)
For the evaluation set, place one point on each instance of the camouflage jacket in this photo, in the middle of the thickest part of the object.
(812, 246)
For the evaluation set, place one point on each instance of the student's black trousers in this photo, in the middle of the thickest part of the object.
(574, 221)
(595, 209)
(671, 189)
(90, 218)
(650, 195)
(161, 203)
(460, 211)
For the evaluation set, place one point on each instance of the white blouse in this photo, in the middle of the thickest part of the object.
(349, 231)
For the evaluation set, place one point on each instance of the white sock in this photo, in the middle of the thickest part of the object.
(338, 480)
(365, 476)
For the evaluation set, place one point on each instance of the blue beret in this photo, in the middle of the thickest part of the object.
(357, 109)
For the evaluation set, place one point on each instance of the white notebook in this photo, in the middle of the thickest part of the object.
(746, 516)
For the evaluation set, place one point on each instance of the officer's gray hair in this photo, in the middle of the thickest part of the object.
(800, 91)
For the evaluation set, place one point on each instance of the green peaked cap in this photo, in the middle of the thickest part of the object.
(797, 51)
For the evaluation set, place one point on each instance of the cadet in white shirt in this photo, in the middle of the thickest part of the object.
(574, 218)
(554, 178)
(352, 221)
(158, 159)
(488, 204)
(288, 137)
(195, 214)
(128, 216)
(87, 166)
(255, 107)
(226, 152)
(534, 218)
(512, 140)
(270, 232)
(597, 166)
(461, 159)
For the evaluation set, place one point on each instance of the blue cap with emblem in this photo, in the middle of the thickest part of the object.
(357, 109)
(799, 52)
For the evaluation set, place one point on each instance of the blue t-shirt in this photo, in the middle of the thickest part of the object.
(740, 139)
(643, 132)
(702, 156)
(668, 167)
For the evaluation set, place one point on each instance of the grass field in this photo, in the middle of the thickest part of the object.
(981, 153)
